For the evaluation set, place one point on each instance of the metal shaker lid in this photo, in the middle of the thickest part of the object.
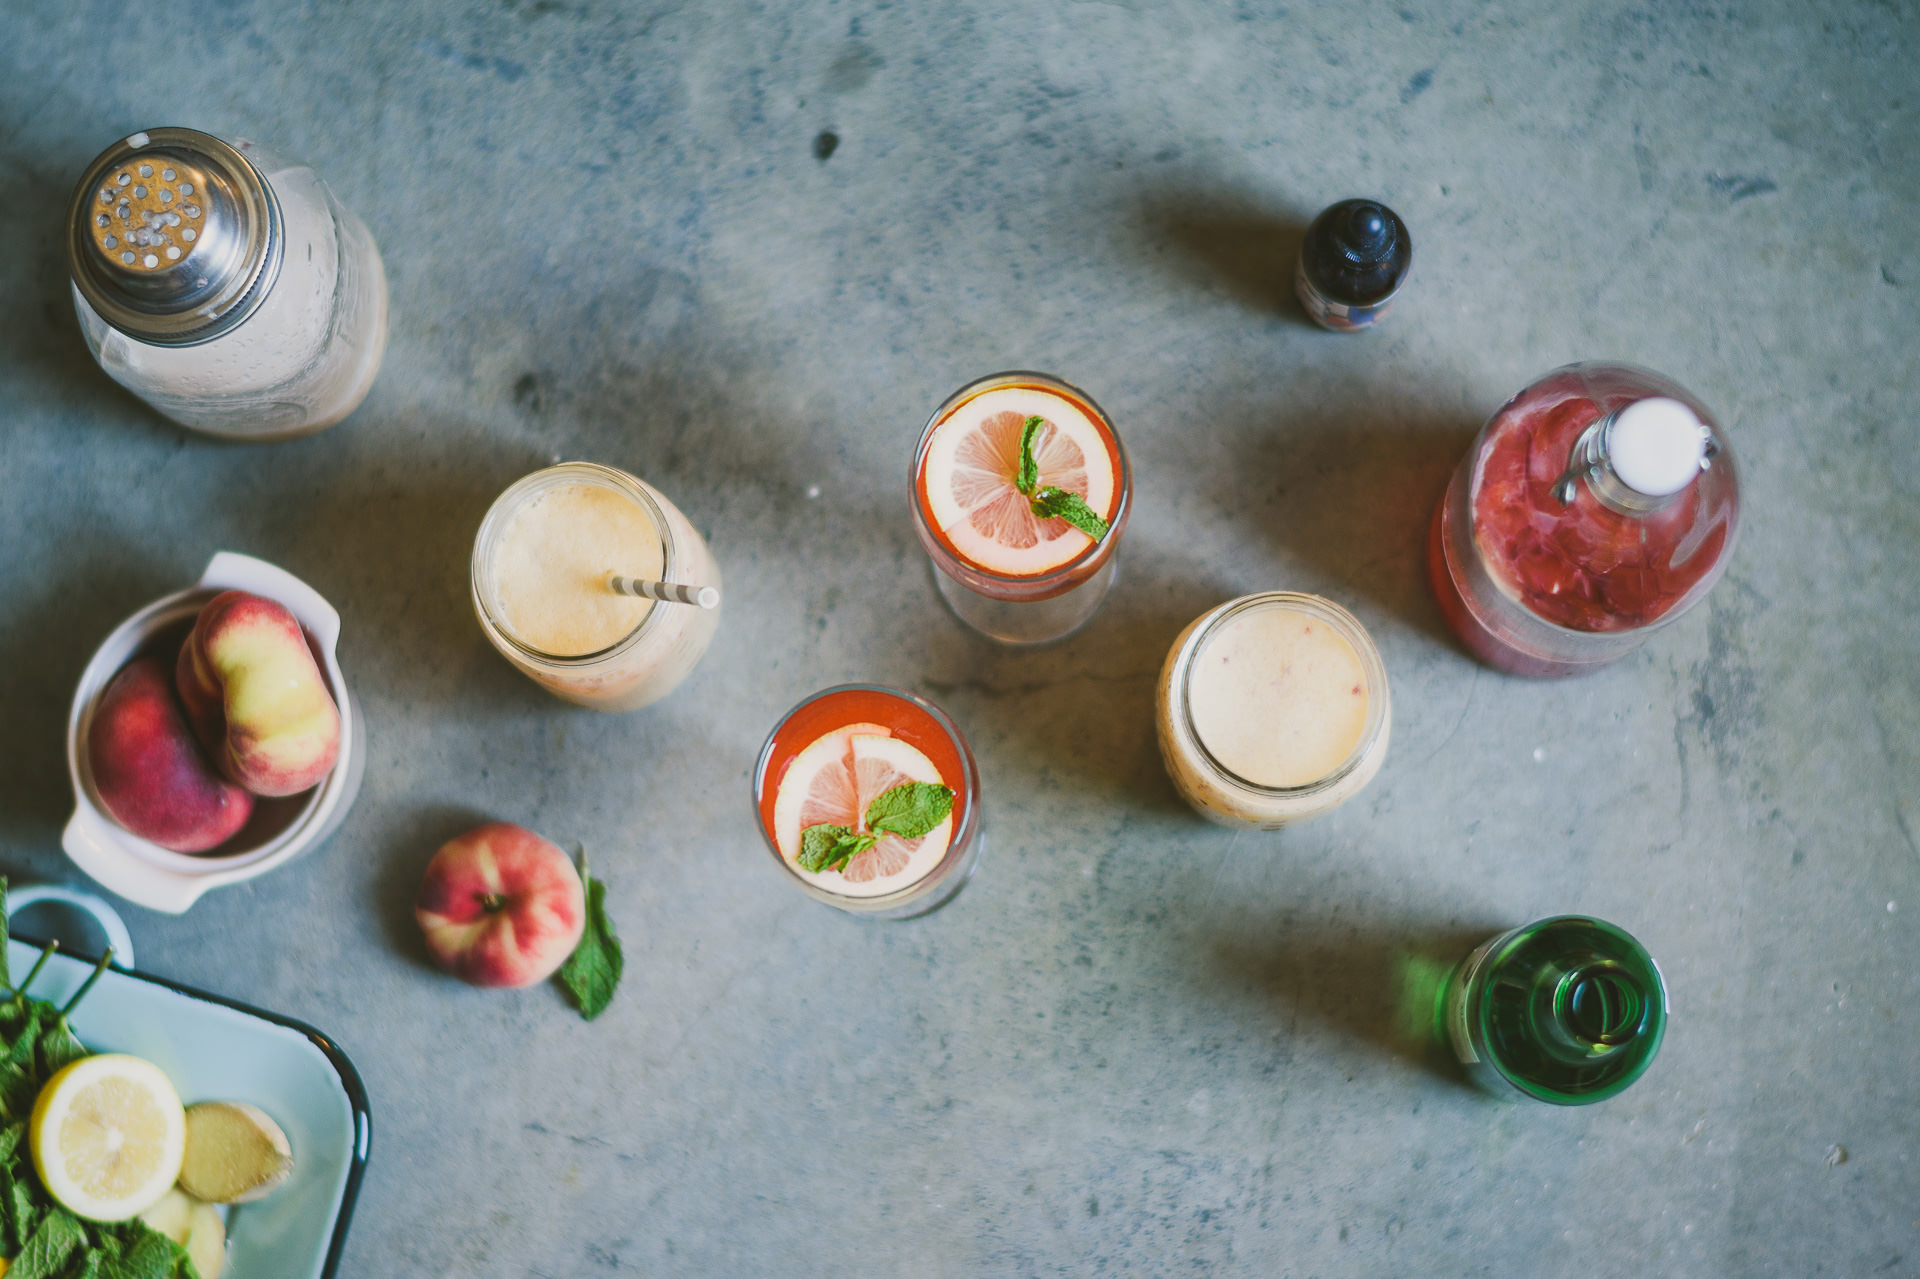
(173, 236)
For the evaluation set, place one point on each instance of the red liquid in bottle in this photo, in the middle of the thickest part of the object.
(1538, 585)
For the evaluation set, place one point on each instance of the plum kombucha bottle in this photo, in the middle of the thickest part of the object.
(1598, 505)
(1568, 1010)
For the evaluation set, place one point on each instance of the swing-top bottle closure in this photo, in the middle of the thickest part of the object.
(1636, 459)
(174, 237)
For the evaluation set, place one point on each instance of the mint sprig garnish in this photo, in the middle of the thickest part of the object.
(1060, 504)
(1052, 502)
(828, 847)
(593, 969)
(1029, 478)
(909, 810)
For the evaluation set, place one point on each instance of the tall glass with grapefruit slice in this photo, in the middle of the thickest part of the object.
(1006, 567)
(542, 563)
(833, 769)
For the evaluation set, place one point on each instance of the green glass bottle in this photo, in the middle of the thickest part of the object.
(1568, 1010)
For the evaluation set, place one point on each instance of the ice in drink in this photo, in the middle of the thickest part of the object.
(1272, 709)
(542, 564)
(1006, 564)
(869, 800)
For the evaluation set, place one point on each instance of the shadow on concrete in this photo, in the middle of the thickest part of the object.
(43, 329)
(45, 642)
(1082, 708)
(1349, 494)
(1232, 239)
(410, 844)
(391, 532)
(1377, 980)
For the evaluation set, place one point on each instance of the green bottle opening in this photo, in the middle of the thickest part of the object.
(1569, 1010)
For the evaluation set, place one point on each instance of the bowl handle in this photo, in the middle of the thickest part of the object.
(94, 849)
(18, 899)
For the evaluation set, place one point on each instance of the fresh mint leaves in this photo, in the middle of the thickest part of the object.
(46, 1252)
(1060, 504)
(593, 969)
(908, 810)
(828, 847)
(1051, 502)
(44, 1240)
(1029, 477)
(911, 809)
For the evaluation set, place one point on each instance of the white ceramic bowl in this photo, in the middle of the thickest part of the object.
(145, 873)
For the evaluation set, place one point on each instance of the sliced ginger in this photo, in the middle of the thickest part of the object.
(195, 1226)
(235, 1153)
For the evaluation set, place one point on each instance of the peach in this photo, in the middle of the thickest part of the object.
(256, 697)
(501, 906)
(151, 774)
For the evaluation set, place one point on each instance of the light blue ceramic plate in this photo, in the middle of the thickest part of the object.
(217, 1050)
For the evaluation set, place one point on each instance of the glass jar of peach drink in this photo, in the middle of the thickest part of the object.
(543, 566)
(1271, 709)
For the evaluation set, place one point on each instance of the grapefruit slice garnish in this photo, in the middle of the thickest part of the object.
(973, 462)
(833, 781)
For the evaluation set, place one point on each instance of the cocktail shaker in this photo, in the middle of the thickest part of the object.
(225, 285)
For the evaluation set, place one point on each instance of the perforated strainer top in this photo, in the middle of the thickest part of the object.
(175, 236)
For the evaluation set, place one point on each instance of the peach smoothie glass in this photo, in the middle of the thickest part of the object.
(541, 565)
(828, 761)
(1271, 709)
(1014, 575)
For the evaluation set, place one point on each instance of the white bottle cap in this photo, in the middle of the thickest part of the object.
(1656, 446)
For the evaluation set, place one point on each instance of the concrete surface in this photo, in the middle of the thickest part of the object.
(1136, 1044)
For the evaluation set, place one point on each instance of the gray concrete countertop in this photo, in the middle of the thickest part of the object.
(1136, 1044)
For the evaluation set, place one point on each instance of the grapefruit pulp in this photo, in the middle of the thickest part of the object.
(970, 474)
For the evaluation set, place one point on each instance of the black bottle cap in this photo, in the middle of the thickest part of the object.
(1365, 234)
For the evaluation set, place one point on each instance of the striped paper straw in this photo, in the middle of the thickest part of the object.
(671, 592)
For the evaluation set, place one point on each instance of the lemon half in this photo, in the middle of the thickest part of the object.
(108, 1134)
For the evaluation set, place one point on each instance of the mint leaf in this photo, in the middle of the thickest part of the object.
(59, 1048)
(152, 1256)
(1057, 503)
(1029, 477)
(593, 969)
(817, 844)
(910, 809)
(47, 1251)
(828, 847)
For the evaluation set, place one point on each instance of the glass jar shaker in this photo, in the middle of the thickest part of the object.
(1599, 504)
(224, 285)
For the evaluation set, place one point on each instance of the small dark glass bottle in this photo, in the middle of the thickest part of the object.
(1568, 1010)
(1352, 264)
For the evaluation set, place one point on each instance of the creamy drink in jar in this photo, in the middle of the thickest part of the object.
(869, 800)
(1020, 491)
(1272, 709)
(553, 568)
